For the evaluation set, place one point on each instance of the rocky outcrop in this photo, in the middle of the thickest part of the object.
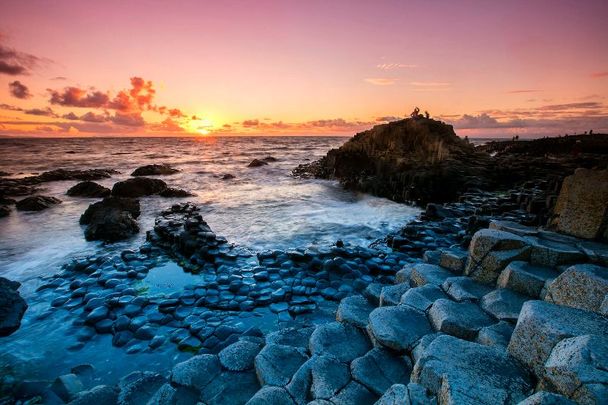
(154, 170)
(88, 189)
(36, 203)
(138, 187)
(111, 219)
(582, 206)
(257, 163)
(12, 307)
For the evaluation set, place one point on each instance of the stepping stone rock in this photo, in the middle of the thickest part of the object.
(154, 170)
(525, 278)
(398, 327)
(498, 334)
(329, 376)
(291, 337)
(424, 273)
(196, 372)
(36, 203)
(372, 293)
(503, 304)
(230, 388)
(354, 393)
(541, 325)
(276, 364)
(453, 260)
(552, 254)
(582, 286)
(412, 394)
(88, 189)
(462, 319)
(345, 342)
(578, 368)
(12, 306)
(513, 227)
(67, 386)
(391, 294)
(464, 289)
(167, 395)
(461, 372)
(99, 395)
(421, 298)
(354, 310)
(239, 356)
(271, 395)
(546, 398)
(138, 387)
(379, 369)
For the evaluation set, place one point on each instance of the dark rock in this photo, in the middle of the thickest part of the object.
(154, 170)
(343, 341)
(88, 189)
(138, 187)
(175, 193)
(228, 176)
(257, 163)
(111, 219)
(5, 210)
(12, 307)
(36, 203)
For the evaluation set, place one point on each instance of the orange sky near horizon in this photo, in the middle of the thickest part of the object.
(115, 68)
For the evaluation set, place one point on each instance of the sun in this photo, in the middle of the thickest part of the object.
(202, 131)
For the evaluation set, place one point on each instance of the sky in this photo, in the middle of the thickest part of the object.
(125, 68)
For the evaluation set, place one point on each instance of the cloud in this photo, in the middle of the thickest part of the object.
(77, 97)
(388, 118)
(522, 91)
(46, 112)
(59, 78)
(597, 75)
(251, 123)
(168, 125)
(380, 81)
(128, 120)
(19, 90)
(393, 66)
(10, 107)
(572, 106)
(70, 116)
(476, 121)
(14, 63)
(430, 84)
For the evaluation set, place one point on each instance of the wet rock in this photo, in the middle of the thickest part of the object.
(240, 355)
(171, 192)
(67, 386)
(541, 325)
(421, 298)
(111, 219)
(345, 342)
(460, 319)
(424, 273)
(36, 203)
(231, 388)
(275, 364)
(525, 278)
(154, 170)
(550, 253)
(167, 395)
(354, 310)
(329, 376)
(546, 398)
(62, 174)
(391, 295)
(458, 371)
(372, 293)
(196, 372)
(412, 394)
(513, 227)
(580, 209)
(453, 259)
(498, 334)
(464, 289)
(379, 369)
(271, 395)
(257, 163)
(503, 304)
(398, 327)
(89, 189)
(138, 187)
(582, 286)
(12, 306)
(295, 337)
(354, 393)
(228, 176)
(5, 211)
(99, 395)
(138, 387)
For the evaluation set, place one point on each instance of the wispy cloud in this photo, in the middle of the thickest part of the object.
(597, 75)
(394, 66)
(19, 90)
(381, 81)
(522, 91)
(430, 84)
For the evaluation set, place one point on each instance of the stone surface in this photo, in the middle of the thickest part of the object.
(398, 327)
(138, 387)
(578, 368)
(231, 388)
(582, 286)
(12, 306)
(525, 278)
(239, 356)
(424, 273)
(196, 372)
(461, 372)
(36, 203)
(345, 342)
(354, 310)
(546, 398)
(464, 289)
(503, 304)
(513, 227)
(67, 386)
(296, 337)
(329, 376)
(99, 395)
(412, 394)
(379, 369)
(581, 209)
(498, 334)
(111, 219)
(391, 294)
(138, 187)
(550, 253)
(462, 319)
(541, 325)
(453, 259)
(421, 298)
(354, 393)
(154, 170)
(271, 395)
(276, 364)
(89, 189)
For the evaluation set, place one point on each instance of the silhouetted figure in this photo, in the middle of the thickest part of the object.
(466, 139)
(415, 113)
(427, 115)
(590, 132)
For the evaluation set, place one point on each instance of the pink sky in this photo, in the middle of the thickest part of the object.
(306, 67)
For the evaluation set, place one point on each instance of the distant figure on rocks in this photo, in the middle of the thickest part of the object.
(427, 115)
(590, 132)
(416, 113)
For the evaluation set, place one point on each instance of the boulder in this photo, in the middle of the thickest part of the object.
(196, 372)
(171, 192)
(421, 298)
(154, 170)
(391, 295)
(498, 334)
(578, 368)
(138, 387)
(36, 203)
(581, 209)
(379, 369)
(354, 393)
(354, 310)
(12, 306)
(329, 376)
(424, 273)
(412, 394)
(460, 372)
(460, 319)
(67, 386)
(295, 337)
(89, 189)
(503, 304)
(240, 355)
(546, 398)
(551, 253)
(168, 395)
(582, 286)
(276, 364)
(343, 341)
(230, 388)
(99, 395)
(541, 325)
(525, 278)
(398, 327)
(271, 395)
(464, 289)
(111, 219)
(453, 259)
(138, 187)
(257, 163)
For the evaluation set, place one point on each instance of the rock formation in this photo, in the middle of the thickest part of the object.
(12, 307)
(111, 219)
